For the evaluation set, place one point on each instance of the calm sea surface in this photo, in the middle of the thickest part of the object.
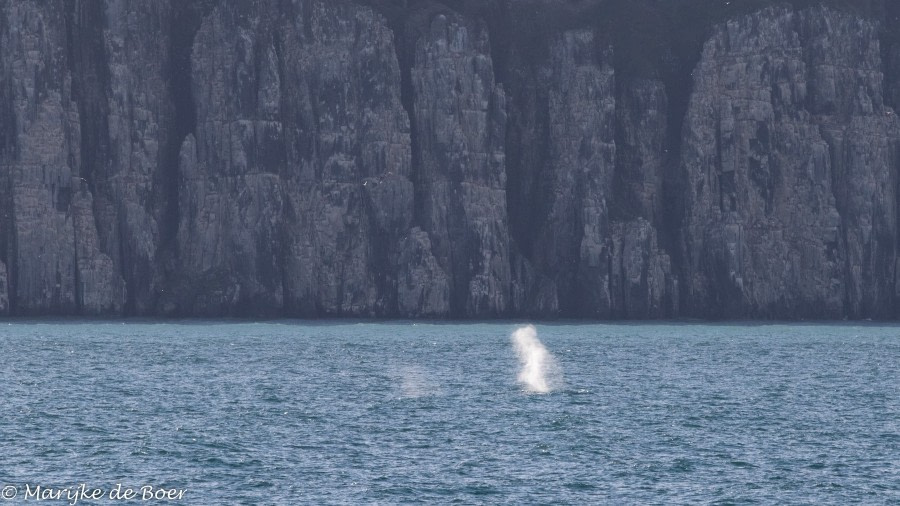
(295, 413)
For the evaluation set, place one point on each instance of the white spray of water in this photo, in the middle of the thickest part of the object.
(415, 382)
(539, 372)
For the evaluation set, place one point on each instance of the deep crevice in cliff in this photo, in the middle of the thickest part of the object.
(186, 20)
(182, 121)
(87, 62)
(402, 21)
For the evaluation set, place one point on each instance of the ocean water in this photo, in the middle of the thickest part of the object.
(387, 413)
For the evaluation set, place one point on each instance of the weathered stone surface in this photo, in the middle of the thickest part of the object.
(366, 158)
(127, 103)
(641, 273)
(582, 111)
(4, 290)
(644, 282)
(460, 120)
(296, 187)
(349, 157)
(789, 153)
(50, 237)
(594, 171)
(423, 287)
(641, 148)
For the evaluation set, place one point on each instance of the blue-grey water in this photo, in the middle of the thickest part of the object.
(360, 413)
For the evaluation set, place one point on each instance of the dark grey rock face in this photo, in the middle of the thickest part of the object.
(360, 158)
(575, 253)
(128, 115)
(50, 233)
(460, 117)
(295, 190)
(592, 165)
(4, 290)
(790, 159)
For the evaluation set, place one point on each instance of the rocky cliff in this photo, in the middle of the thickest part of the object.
(391, 158)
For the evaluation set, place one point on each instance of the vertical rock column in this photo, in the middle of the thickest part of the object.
(129, 143)
(642, 284)
(571, 246)
(845, 67)
(49, 229)
(590, 241)
(230, 199)
(349, 196)
(296, 189)
(789, 153)
(461, 120)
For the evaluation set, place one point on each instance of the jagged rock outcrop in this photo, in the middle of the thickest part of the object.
(447, 159)
(790, 162)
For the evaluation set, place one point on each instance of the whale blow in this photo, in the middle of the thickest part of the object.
(538, 370)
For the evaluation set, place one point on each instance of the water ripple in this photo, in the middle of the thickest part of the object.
(287, 413)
